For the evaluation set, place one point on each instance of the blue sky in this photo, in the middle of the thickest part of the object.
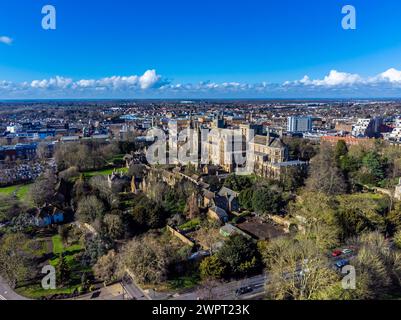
(253, 48)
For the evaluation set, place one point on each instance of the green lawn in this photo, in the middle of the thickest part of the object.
(184, 282)
(36, 291)
(104, 172)
(190, 224)
(39, 248)
(8, 190)
(21, 191)
(69, 252)
(58, 246)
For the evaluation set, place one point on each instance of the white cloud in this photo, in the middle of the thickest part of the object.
(52, 83)
(6, 40)
(149, 79)
(151, 84)
(391, 75)
(334, 78)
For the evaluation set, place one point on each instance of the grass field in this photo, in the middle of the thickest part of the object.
(58, 246)
(104, 172)
(36, 291)
(20, 191)
(41, 247)
(8, 190)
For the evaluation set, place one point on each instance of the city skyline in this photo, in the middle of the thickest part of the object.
(259, 49)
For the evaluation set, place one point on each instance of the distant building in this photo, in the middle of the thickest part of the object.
(18, 152)
(299, 124)
(395, 135)
(367, 127)
(350, 141)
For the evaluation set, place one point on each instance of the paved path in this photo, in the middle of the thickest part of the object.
(6, 293)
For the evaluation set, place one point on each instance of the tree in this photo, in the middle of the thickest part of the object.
(360, 213)
(113, 226)
(341, 150)
(100, 186)
(69, 173)
(302, 149)
(208, 235)
(240, 255)
(147, 214)
(212, 268)
(238, 183)
(293, 178)
(90, 208)
(373, 169)
(64, 232)
(393, 219)
(397, 239)
(266, 199)
(81, 189)
(393, 155)
(208, 290)
(106, 268)
(378, 267)
(325, 176)
(298, 270)
(42, 151)
(63, 270)
(15, 263)
(317, 214)
(245, 198)
(95, 248)
(10, 207)
(146, 259)
(43, 189)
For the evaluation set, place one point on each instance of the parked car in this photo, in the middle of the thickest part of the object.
(336, 253)
(342, 263)
(243, 290)
(347, 251)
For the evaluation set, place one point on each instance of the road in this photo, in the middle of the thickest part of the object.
(132, 290)
(6, 293)
(226, 291)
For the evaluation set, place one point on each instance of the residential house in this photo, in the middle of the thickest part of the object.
(49, 215)
(218, 214)
(228, 199)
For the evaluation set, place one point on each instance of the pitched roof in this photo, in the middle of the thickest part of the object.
(274, 142)
(220, 212)
(228, 193)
